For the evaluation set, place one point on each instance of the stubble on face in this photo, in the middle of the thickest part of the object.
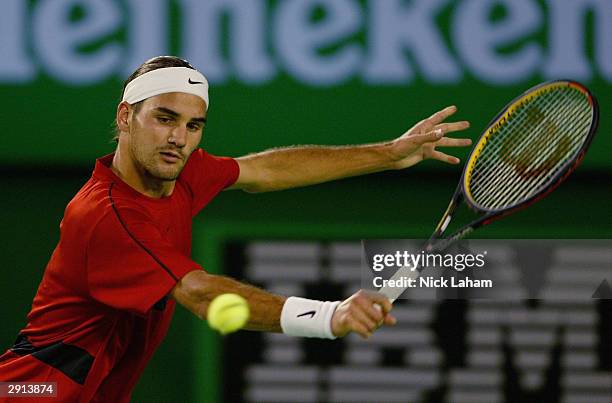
(149, 140)
(148, 159)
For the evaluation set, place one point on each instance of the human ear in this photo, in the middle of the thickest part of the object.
(123, 115)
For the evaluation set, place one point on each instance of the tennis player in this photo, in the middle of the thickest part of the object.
(123, 259)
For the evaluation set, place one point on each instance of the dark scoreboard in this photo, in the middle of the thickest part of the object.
(456, 351)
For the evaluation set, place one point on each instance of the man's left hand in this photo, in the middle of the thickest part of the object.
(420, 142)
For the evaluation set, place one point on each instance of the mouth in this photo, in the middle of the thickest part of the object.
(170, 156)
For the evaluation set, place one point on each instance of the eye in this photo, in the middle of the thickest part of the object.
(164, 119)
(194, 127)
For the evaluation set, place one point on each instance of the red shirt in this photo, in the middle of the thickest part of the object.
(102, 306)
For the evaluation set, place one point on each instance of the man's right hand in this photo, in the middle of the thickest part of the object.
(362, 313)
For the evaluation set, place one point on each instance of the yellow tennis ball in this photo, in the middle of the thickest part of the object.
(228, 313)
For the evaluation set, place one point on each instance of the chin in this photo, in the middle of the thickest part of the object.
(164, 174)
(168, 176)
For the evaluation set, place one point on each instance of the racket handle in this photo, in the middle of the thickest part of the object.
(393, 293)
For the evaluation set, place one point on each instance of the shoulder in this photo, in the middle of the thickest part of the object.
(97, 201)
(206, 167)
(91, 201)
(203, 158)
(197, 159)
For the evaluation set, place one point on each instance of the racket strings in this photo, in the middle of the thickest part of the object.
(543, 148)
(563, 149)
(520, 187)
(526, 151)
(493, 148)
(520, 191)
(515, 175)
(520, 124)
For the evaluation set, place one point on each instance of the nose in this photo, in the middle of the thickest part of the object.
(178, 136)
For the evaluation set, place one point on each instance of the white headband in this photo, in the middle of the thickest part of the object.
(162, 81)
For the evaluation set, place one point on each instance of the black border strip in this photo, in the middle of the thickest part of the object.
(72, 361)
(110, 195)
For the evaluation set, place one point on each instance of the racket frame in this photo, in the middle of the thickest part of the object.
(436, 244)
(491, 215)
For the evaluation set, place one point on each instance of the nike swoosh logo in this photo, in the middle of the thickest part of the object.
(311, 313)
(195, 82)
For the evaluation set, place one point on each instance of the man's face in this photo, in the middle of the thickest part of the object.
(164, 132)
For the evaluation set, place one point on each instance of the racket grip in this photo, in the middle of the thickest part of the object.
(393, 293)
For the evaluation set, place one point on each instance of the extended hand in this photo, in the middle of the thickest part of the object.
(362, 313)
(420, 142)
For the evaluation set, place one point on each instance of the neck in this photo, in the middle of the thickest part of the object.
(139, 179)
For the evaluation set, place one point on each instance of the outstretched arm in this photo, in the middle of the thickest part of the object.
(290, 167)
(356, 314)
(196, 290)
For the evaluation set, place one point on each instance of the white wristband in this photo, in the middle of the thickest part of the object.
(308, 317)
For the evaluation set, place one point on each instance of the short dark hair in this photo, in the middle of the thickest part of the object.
(158, 62)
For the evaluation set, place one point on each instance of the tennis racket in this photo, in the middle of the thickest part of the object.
(525, 152)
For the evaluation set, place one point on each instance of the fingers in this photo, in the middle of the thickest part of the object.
(381, 301)
(438, 132)
(363, 331)
(453, 126)
(364, 324)
(390, 320)
(355, 320)
(362, 313)
(431, 136)
(440, 156)
(441, 115)
(451, 142)
(372, 311)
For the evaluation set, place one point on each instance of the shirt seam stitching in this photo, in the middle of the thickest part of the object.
(151, 254)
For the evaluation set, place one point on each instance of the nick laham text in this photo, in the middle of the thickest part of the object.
(432, 282)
